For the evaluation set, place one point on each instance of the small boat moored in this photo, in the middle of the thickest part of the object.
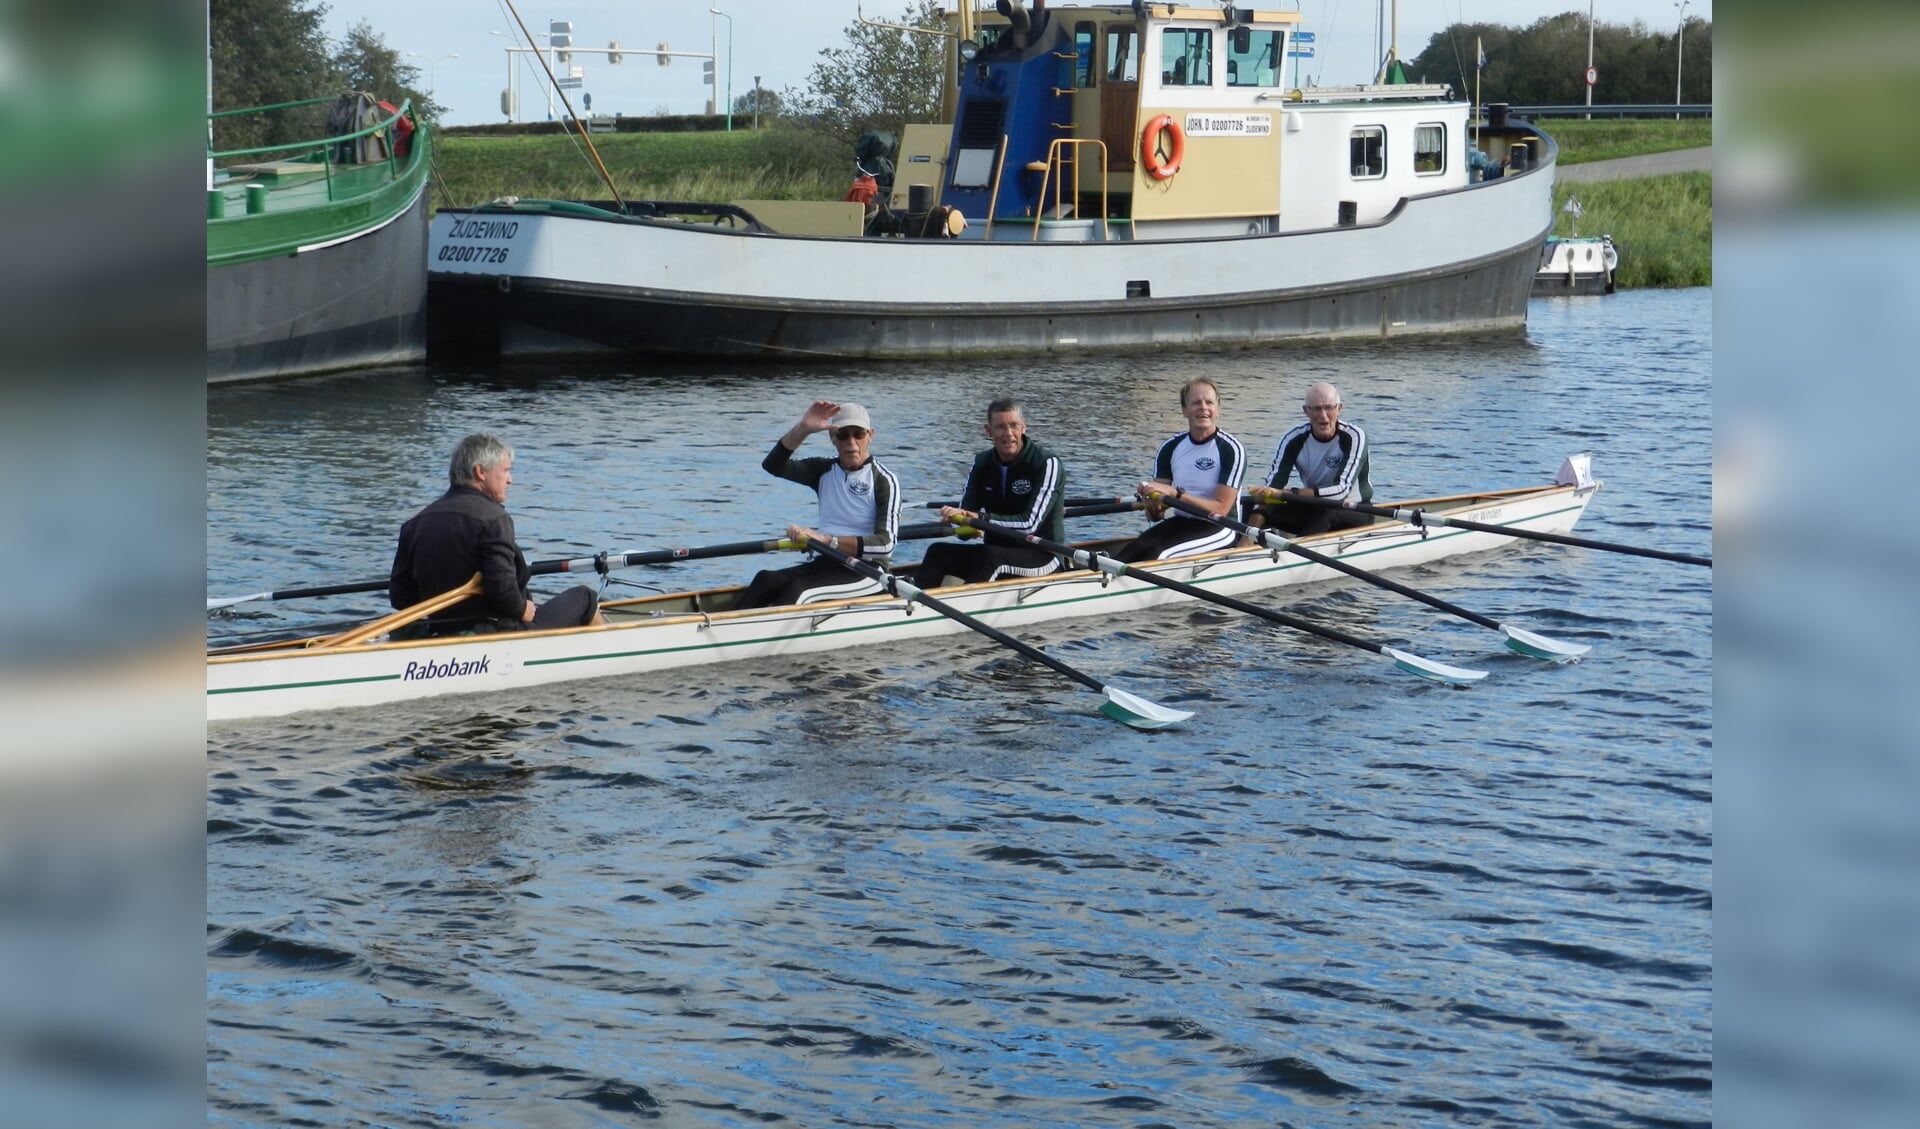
(316, 250)
(1575, 263)
(677, 630)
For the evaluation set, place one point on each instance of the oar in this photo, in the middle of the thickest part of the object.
(1525, 642)
(404, 616)
(1422, 517)
(1082, 558)
(1095, 505)
(600, 562)
(1120, 705)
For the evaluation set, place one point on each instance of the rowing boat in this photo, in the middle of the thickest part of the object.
(677, 630)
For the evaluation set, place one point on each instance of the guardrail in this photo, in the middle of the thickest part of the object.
(1643, 110)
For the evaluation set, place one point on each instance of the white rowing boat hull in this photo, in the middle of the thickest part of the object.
(267, 683)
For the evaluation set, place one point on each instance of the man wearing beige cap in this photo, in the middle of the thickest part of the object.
(859, 509)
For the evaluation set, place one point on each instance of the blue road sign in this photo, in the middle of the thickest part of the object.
(1300, 52)
(1303, 37)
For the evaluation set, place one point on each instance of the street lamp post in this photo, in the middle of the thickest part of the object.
(1679, 55)
(431, 64)
(756, 102)
(729, 20)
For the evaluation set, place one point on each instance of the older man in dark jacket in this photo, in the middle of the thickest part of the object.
(468, 530)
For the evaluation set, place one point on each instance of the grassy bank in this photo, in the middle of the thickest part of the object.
(1604, 139)
(1663, 226)
(772, 164)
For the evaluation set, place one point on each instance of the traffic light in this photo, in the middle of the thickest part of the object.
(613, 52)
(561, 36)
(706, 72)
(663, 58)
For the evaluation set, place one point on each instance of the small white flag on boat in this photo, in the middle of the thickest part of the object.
(1481, 51)
(1572, 207)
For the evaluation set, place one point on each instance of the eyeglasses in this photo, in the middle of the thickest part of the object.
(1323, 407)
(846, 433)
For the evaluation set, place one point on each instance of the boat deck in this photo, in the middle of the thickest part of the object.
(294, 185)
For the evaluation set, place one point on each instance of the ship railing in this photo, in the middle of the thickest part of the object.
(324, 146)
(1062, 153)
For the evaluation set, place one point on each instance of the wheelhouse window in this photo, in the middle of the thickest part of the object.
(1430, 148)
(1367, 148)
(1186, 56)
(1123, 54)
(1083, 54)
(1253, 58)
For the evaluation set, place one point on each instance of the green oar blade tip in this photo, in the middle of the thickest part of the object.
(1131, 709)
(1427, 668)
(1538, 646)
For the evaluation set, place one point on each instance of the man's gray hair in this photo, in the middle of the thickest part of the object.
(480, 450)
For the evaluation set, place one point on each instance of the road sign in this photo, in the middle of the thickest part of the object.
(1303, 37)
(576, 71)
(1593, 76)
(1305, 52)
(570, 83)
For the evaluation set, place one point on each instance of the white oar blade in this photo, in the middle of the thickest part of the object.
(1427, 668)
(1540, 647)
(1131, 709)
(214, 603)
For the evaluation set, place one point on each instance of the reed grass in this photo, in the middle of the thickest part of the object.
(1663, 226)
(772, 164)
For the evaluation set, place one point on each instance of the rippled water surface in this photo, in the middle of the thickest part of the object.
(929, 885)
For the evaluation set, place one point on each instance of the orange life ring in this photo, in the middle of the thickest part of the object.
(1157, 168)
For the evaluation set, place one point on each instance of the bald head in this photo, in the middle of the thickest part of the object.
(1323, 410)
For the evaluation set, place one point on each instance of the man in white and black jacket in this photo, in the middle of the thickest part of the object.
(859, 510)
(1331, 457)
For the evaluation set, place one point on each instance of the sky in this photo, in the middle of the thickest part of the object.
(780, 41)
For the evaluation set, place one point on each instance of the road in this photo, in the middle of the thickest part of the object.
(1633, 168)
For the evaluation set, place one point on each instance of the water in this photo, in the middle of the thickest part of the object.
(929, 885)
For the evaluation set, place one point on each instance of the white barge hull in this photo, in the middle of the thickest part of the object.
(525, 282)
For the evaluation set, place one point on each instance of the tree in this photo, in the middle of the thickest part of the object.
(759, 100)
(1543, 64)
(267, 52)
(882, 79)
(365, 62)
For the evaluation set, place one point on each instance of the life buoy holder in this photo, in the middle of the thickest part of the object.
(1160, 168)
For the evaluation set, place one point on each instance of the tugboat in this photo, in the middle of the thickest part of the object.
(1109, 177)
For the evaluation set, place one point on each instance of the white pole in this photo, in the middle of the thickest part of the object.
(1583, 78)
(512, 102)
(729, 103)
(1679, 56)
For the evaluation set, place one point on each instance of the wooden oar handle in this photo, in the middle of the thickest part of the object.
(404, 616)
